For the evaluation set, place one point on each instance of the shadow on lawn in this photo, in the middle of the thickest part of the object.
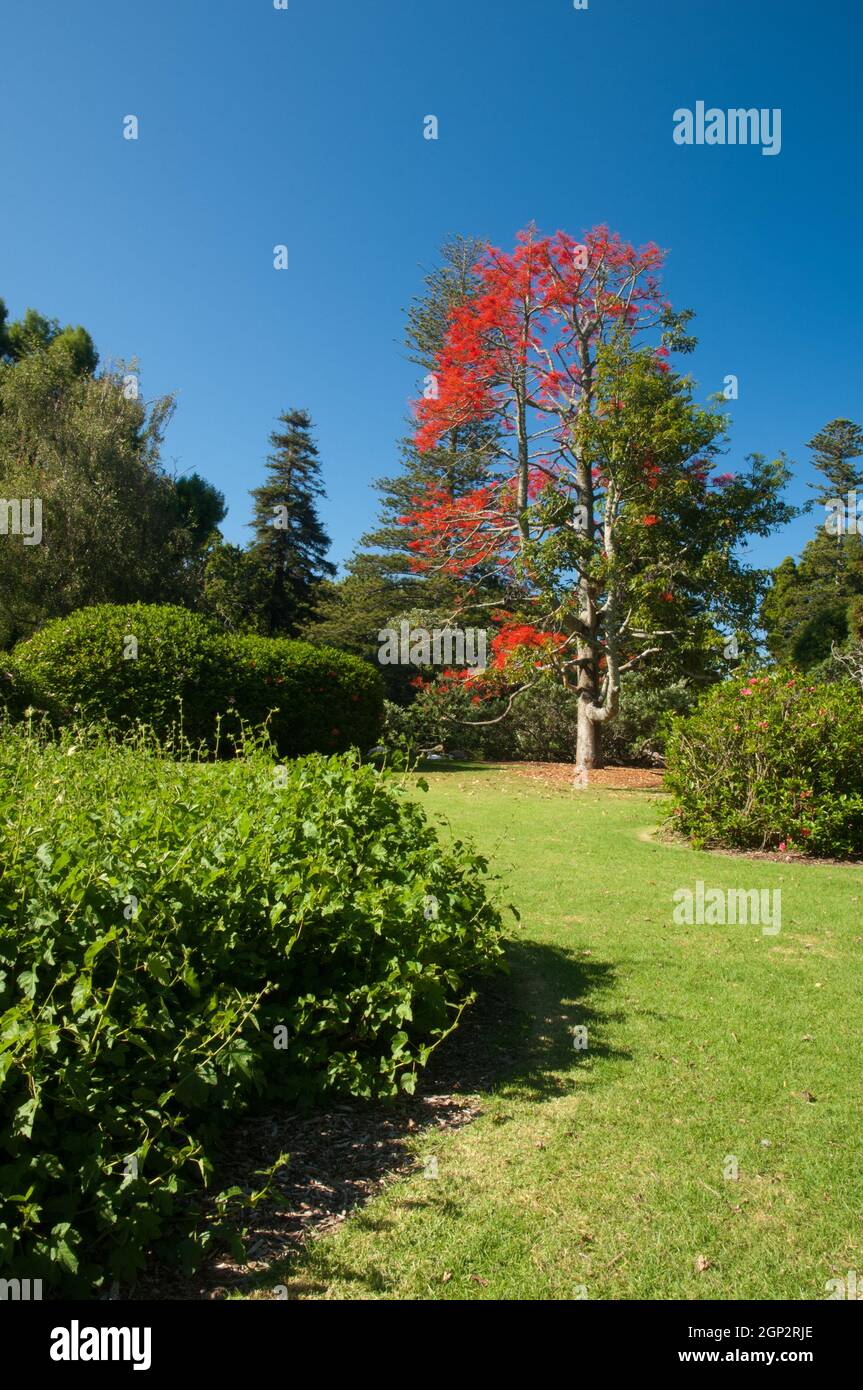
(516, 1040)
(454, 765)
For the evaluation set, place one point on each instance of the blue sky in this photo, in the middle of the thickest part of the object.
(305, 127)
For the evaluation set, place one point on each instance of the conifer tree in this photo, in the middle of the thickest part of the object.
(381, 578)
(815, 602)
(833, 448)
(290, 544)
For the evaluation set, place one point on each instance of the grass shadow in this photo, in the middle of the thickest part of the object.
(516, 1039)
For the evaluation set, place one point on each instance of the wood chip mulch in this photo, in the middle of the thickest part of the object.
(562, 777)
(341, 1156)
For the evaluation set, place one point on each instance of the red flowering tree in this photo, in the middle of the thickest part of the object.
(598, 517)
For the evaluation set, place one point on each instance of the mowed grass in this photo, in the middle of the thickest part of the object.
(603, 1173)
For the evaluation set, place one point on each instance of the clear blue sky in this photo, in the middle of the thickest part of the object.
(304, 127)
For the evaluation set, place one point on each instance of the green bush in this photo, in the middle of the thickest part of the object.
(771, 762)
(323, 700)
(188, 673)
(639, 732)
(16, 690)
(541, 726)
(165, 926)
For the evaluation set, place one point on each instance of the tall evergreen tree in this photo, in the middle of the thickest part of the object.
(290, 543)
(381, 580)
(833, 448)
(816, 602)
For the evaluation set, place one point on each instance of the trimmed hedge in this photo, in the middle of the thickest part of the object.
(771, 762)
(180, 940)
(325, 700)
(169, 668)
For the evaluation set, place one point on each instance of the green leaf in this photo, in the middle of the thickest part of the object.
(81, 992)
(95, 947)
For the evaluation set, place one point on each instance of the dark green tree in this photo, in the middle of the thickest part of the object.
(290, 543)
(833, 448)
(813, 603)
(201, 507)
(234, 587)
(83, 462)
(381, 580)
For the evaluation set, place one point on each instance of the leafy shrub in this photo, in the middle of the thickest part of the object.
(189, 672)
(771, 762)
(541, 726)
(164, 924)
(638, 734)
(322, 699)
(16, 690)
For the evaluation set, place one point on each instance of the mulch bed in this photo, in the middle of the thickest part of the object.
(341, 1156)
(562, 776)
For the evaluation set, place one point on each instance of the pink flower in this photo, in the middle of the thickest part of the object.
(747, 690)
(782, 846)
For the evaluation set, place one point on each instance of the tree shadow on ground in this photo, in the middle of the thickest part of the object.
(455, 765)
(517, 1039)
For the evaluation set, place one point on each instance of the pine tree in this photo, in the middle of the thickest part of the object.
(461, 459)
(814, 603)
(290, 544)
(381, 581)
(833, 448)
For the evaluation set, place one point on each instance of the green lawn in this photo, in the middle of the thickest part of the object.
(604, 1168)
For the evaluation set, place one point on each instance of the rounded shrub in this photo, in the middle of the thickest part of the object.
(175, 671)
(771, 762)
(317, 699)
(180, 940)
(130, 664)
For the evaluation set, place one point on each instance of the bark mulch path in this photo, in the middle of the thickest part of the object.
(341, 1156)
(563, 777)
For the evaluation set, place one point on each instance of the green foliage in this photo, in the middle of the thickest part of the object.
(233, 587)
(811, 602)
(201, 506)
(639, 732)
(34, 333)
(542, 723)
(91, 456)
(833, 449)
(770, 761)
(381, 576)
(188, 673)
(319, 699)
(164, 926)
(541, 726)
(814, 603)
(290, 543)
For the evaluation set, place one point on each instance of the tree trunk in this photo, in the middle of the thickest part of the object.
(589, 747)
(588, 751)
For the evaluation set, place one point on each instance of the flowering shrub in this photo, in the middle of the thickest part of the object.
(771, 762)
